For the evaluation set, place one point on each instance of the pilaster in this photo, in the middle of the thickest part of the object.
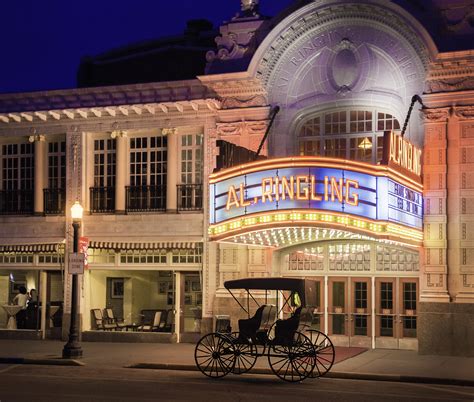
(434, 269)
(172, 169)
(41, 171)
(121, 170)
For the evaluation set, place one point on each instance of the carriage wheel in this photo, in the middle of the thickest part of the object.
(324, 353)
(214, 355)
(245, 354)
(292, 361)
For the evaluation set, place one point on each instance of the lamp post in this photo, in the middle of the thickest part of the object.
(72, 349)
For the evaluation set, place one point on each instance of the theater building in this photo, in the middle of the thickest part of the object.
(176, 200)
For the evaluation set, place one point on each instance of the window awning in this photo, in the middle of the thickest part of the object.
(113, 245)
(32, 247)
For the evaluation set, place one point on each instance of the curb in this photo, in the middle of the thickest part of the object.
(333, 374)
(44, 362)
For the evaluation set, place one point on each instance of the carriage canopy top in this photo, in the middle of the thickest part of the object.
(305, 288)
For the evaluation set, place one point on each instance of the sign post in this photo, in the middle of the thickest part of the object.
(76, 263)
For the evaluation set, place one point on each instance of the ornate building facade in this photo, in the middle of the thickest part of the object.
(143, 159)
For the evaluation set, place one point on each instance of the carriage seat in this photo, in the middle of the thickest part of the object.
(259, 324)
(300, 321)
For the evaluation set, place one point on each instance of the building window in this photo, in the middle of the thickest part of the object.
(188, 256)
(50, 259)
(143, 257)
(98, 256)
(55, 194)
(103, 193)
(349, 257)
(308, 260)
(362, 129)
(191, 171)
(17, 193)
(148, 164)
(16, 258)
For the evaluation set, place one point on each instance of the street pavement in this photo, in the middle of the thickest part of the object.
(379, 364)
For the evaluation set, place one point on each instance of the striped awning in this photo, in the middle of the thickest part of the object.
(32, 248)
(112, 245)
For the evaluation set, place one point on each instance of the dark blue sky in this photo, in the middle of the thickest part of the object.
(42, 41)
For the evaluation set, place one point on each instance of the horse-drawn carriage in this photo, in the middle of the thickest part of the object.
(294, 350)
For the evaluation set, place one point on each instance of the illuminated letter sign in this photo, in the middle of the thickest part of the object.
(361, 190)
(402, 155)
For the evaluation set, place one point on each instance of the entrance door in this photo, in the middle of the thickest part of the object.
(349, 311)
(360, 312)
(338, 311)
(318, 312)
(190, 306)
(395, 310)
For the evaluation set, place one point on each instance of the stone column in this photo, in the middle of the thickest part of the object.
(41, 172)
(121, 171)
(172, 169)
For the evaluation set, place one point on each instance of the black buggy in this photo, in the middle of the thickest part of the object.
(294, 350)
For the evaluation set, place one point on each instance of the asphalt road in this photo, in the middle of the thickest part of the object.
(53, 383)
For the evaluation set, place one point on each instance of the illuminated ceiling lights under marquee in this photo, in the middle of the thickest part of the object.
(284, 201)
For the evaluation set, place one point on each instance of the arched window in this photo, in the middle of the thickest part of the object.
(347, 134)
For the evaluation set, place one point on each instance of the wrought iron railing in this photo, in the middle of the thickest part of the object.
(16, 202)
(54, 201)
(145, 198)
(189, 197)
(102, 199)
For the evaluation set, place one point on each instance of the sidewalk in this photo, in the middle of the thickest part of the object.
(380, 364)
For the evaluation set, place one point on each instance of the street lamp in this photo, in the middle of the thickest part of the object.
(72, 349)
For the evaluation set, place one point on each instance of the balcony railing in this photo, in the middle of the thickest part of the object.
(54, 201)
(145, 198)
(16, 202)
(102, 199)
(189, 197)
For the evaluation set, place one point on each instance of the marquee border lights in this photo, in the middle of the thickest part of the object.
(233, 229)
(316, 161)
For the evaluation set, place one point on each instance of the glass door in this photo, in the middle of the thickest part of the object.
(338, 311)
(360, 312)
(386, 335)
(396, 313)
(190, 305)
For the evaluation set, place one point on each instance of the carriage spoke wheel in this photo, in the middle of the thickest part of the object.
(245, 354)
(294, 360)
(324, 353)
(214, 355)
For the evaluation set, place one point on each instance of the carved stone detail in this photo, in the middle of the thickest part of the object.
(309, 33)
(242, 128)
(239, 102)
(247, 134)
(466, 112)
(435, 115)
(237, 38)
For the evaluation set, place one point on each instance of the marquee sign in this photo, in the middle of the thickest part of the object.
(356, 190)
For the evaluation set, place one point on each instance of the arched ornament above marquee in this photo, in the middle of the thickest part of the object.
(332, 52)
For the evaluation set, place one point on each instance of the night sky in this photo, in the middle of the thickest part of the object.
(42, 42)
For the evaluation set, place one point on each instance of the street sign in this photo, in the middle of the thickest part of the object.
(76, 263)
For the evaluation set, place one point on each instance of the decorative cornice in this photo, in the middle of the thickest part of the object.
(139, 94)
(102, 113)
(452, 72)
